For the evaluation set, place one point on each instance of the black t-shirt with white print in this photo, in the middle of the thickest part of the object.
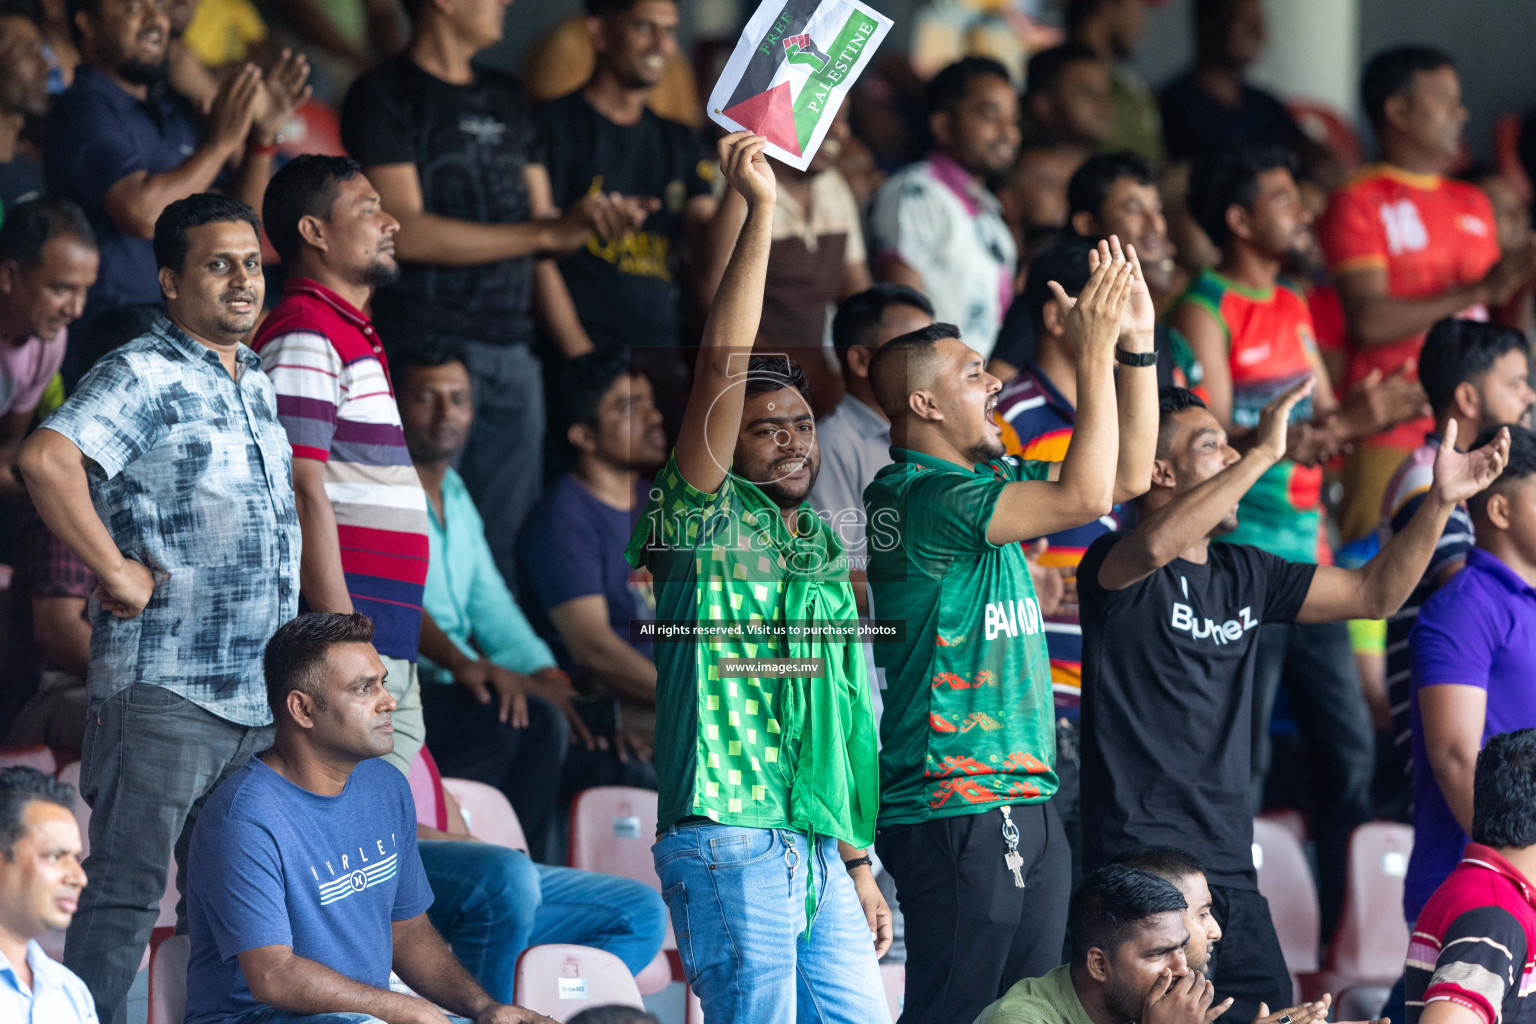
(1167, 744)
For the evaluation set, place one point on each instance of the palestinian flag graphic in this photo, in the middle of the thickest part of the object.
(792, 69)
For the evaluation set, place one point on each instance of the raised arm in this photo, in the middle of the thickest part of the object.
(1084, 488)
(707, 441)
(1172, 529)
(1136, 388)
(1379, 587)
(54, 469)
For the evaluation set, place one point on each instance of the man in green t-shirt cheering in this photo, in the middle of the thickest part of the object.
(768, 785)
(967, 831)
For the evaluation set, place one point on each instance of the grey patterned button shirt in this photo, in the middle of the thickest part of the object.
(193, 478)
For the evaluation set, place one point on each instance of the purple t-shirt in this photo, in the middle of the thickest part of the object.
(1477, 630)
(26, 369)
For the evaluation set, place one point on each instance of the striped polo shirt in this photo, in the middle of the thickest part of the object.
(1037, 423)
(1473, 942)
(335, 400)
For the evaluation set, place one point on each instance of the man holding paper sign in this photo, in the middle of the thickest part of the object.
(767, 781)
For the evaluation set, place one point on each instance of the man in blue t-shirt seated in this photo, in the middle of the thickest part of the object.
(304, 884)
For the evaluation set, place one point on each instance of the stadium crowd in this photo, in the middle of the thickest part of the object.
(964, 537)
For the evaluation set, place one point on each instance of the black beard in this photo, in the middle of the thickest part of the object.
(986, 451)
(379, 274)
(140, 73)
(780, 494)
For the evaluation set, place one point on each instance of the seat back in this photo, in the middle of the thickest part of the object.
(1372, 939)
(895, 978)
(37, 756)
(487, 813)
(168, 980)
(612, 829)
(562, 980)
(1285, 880)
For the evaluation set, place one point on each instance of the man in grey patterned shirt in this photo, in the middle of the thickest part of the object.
(169, 474)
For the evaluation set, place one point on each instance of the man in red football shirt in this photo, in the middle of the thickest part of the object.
(1407, 246)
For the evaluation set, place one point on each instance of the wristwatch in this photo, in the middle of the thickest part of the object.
(1135, 358)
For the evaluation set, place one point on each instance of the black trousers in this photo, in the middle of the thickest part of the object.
(1248, 964)
(971, 932)
(468, 742)
(1338, 744)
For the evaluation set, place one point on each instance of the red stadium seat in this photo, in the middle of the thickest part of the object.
(562, 980)
(1327, 127)
(39, 757)
(487, 813)
(1290, 819)
(612, 829)
(694, 1014)
(1372, 938)
(1285, 880)
(168, 980)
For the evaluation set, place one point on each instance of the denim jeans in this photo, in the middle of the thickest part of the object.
(267, 1015)
(151, 760)
(737, 900)
(491, 903)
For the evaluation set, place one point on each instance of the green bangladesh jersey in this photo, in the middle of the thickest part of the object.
(968, 722)
(768, 752)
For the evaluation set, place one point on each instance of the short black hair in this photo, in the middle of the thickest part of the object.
(609, 8)
(193, 212)
(614, 1015)
(774, 373)
(1210, 19)
(584, 382)
(1109, 903)
(426, 353)
(1166, 862)
(950, 86)
(1064, 261)
(1046, 68)
(1521, 464)
(1079, 11)
(20, 786)
(1170, 402)
(858, 314)
(1090, 185)
(1457, 351)
(306, 186)
(890, 367)
(1223, 180)
(296, 653)
(1391, 72)
(33, 224)
(1504, 791)
(74, 7)
(31, 10)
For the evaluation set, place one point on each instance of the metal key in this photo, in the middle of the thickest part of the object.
(1013, 860)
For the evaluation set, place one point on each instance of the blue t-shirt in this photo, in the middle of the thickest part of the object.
(574, 546)
(273, 864)
(1478, 630)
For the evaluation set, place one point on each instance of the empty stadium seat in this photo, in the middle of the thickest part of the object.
(39, 757)
(895, 978)
(168, 980)
(612, 829)
(1285, 880)
(1371, 942)
(487, 813)
(560, 981)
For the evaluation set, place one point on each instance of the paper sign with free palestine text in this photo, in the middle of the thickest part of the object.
(792, 69)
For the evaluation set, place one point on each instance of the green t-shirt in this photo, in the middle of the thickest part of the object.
(968, 720)
(757, 752)
(1050, 999)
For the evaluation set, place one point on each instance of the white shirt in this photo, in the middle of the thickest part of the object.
(951, 231)
(57, 995)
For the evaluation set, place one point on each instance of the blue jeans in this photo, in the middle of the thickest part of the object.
(268, 1015)
(491, 903)
(737, 900)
